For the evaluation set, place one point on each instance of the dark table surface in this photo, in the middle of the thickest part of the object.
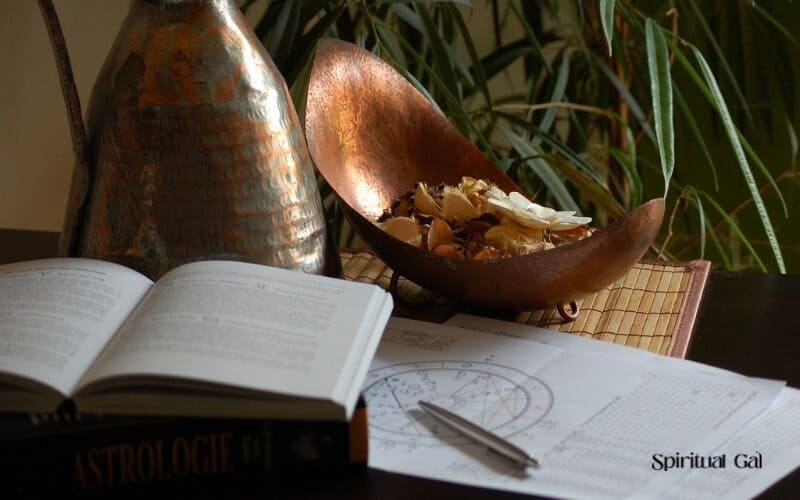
(746, 324)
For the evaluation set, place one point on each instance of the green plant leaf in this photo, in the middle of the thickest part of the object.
(452, 101)
(706, 91)
(694, 197)
(449, 11)
(702, 215)
(607, 18)
(477, 67)
(441, 57)
(736, 229)
(594, 191)
(304, 47)
(264, 26)
(496, 28)
(777, 24)
(298, 89)
(283, 32)
(531, 34)
(246, 5)
(633, 104)
(570, 155)
(506, 163)
(763, 169)
(733, 136)
(391, 45)
(421, 88)
(698, 15)
(502, 57)
(387, 34)
(555, 144)
(310, 9)
(545, 172)
(726, 261)
(405, 13)
(468, 3)
(634, 179)
(559, 90)
(661, 93)
(792, 139)
(698, 136)
(558, 93)
(632, 171)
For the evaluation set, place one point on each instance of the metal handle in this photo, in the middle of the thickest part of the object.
(81, 174)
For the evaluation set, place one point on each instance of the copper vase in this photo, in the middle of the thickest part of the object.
(192, 149)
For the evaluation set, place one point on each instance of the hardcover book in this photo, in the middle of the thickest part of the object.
(70, 452)
(209, 339)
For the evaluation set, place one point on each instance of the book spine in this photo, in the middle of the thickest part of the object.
(132, 456)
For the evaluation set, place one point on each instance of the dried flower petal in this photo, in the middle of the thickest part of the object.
(424, 202)
(490, 253)
(448, 250)
(456, 207)
(403, 228)
(439, 233)
(523, 217)
(502, 237)
(570, 222)
(470, 186)
(401, 207)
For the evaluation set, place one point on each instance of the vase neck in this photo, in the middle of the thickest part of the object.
(178, 3)
(180, 7)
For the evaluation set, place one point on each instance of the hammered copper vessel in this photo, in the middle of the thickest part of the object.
(193, 149)
(372, 136)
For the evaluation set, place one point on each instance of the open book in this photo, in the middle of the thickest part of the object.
(211, 338)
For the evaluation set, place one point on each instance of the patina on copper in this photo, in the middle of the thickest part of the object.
(372, 136)
(193, 148)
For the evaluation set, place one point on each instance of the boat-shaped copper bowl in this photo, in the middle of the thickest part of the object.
(373, 135)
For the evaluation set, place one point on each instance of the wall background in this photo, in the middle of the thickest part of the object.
(37, 157)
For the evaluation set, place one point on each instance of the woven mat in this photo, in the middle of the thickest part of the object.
(653, 307)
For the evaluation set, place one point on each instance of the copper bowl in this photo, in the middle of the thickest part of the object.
(373, 135)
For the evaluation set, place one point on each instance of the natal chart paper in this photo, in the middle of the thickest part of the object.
(592, 421)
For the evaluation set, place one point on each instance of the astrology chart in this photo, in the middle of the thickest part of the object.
(503, 400)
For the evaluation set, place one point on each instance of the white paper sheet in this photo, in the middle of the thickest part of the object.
(567, 341)
(593, 421)
(774, 436)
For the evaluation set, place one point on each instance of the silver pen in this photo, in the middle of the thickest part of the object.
(480, 435)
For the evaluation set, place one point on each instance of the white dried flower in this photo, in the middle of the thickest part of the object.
(532, 215)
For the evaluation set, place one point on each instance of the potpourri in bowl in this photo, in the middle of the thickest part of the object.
(478, 220)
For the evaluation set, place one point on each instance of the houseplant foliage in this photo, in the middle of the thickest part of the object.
(596, 105)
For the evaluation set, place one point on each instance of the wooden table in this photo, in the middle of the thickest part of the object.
(746, 324)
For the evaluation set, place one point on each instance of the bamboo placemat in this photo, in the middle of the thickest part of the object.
(652, 307)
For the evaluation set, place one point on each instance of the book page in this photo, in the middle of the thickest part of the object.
(56, 315)
(244, 325)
